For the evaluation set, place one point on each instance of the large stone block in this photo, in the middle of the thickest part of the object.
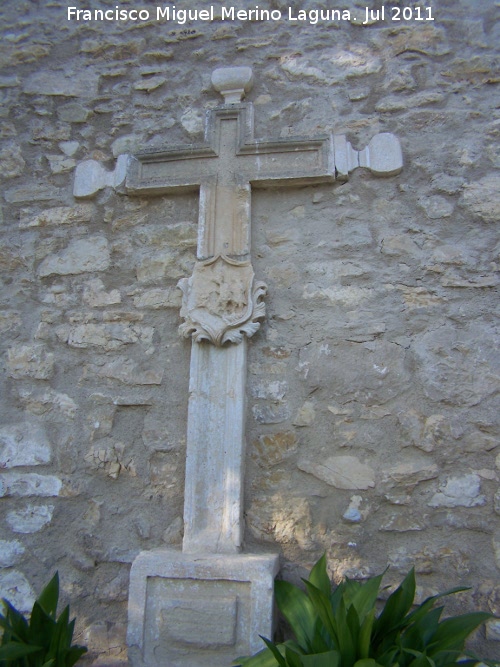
(458, 366)
(23, 445)
(373, 373)
(31, 519)
(15, 588)
(30, 361)
(82, 255)
(481, 198)
(61, 406)
(29, 484)
(343, 472)
(107, 336)
(462, 491)
(281, 518)
(81, 84)
(124, 370)
(201, 611)
(60, 215)
(11, 161)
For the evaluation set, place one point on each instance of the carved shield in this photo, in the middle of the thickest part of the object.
(221, 301)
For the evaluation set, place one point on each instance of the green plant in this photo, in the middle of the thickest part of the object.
(44, 640)
(342, 629)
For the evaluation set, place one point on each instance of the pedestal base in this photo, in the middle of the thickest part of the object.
(188, 610)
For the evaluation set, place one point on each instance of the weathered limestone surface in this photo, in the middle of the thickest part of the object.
(379, 356)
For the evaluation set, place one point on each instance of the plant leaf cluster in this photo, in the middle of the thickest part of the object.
(342, 628)
(44, 640)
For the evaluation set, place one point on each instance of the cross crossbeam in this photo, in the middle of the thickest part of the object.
(224, 169)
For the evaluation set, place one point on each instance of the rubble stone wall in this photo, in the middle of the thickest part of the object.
(373, 422)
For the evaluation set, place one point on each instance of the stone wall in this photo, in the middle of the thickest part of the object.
(373, 413)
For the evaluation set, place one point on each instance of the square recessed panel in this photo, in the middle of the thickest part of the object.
(195, 623)
(214, 621)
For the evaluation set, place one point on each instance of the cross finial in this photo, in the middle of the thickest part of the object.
(232, 83)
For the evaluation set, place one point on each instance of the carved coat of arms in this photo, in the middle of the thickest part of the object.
(221, 301)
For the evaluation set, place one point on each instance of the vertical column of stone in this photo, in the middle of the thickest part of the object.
(214, 462)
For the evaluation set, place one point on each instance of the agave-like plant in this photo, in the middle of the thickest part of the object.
(342, 628)
(44, 640)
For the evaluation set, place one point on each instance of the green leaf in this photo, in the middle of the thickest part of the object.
(429, 602)
(321, 641)
(323, 608)
(389, 657)
(61, 639)
(353, 624)
(49, 597)
(293, 659)
(367, 662)
(16, 622)
(365, 634)
(4, 623)
(447, 658)
(396, 607)
(70, 631)
(298, 610)
(452, 632)
(16, 650)
(419, 634)
(328, 659)
(421, 660)
(349, 589)
(347, 625)
(365, 598)
(274, 650)
(41, 626)
(264, 658)
(338, 594)
(74, 654)
(319, 576)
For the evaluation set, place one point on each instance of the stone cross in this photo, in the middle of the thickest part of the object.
(209, 603)
(222, 301)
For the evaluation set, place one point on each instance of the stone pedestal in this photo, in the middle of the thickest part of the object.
(198, 611)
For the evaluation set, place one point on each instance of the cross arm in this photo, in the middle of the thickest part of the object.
(300, 161)
(294, 161)
(382, 156)
(178, 169)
